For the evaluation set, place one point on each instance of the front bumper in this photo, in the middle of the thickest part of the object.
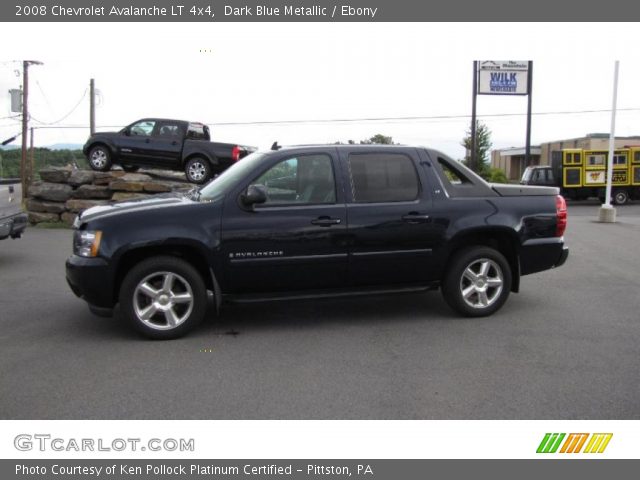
(90, 279)
(542, 254)
(13, 226)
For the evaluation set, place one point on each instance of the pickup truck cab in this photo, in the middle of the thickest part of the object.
(316, 221)
(13, 221)
(165, 144)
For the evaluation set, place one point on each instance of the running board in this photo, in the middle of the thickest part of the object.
(275, 297)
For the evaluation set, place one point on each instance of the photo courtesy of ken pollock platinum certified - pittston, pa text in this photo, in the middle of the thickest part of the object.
(190, 469)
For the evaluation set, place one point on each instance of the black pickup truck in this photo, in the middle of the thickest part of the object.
(165, 144)
(317, 221)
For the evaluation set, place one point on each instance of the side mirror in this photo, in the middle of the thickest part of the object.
(126, 132)
(254, 195)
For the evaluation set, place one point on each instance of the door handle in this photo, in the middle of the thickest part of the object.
(415, 218)
(174, 143)
(325, 221)
(147, 141)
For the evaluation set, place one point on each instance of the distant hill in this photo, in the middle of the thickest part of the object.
(64, 146)
(55, 146)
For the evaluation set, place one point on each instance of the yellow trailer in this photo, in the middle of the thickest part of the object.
(581, 174)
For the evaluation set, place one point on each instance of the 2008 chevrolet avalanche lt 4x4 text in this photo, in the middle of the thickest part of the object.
(317, 220)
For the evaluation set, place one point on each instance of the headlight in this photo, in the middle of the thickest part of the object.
(86, 243)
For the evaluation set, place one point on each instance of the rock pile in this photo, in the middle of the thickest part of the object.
(63, 193)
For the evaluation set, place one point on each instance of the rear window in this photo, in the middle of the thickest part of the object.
(383, 177)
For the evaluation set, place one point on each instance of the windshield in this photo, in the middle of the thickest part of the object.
(526, 176)
(230, 177)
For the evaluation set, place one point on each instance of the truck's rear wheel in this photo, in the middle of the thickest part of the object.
(478, 281)
(198, 170)
(620, 197)
(163, 297)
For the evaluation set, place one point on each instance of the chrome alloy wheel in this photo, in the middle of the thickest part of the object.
(163, 300)
(481, 283)
(99, 158)
(197, 171)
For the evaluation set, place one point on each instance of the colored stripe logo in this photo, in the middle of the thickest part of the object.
(574, 443)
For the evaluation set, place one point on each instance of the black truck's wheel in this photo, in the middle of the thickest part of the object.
(198, 170)
(100, 158)
(478, 281)
(163, 297)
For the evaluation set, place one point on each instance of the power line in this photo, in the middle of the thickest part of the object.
(371, 119)
(414, 118)
(64, 117)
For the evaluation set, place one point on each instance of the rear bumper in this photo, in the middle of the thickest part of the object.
(13, 226)
(90, 279)
(542, 254)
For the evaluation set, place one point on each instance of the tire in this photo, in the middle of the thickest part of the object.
(198, 170)
(492, 276)
(163, 297)
(100, 158)
(620, 197)
(130, 168)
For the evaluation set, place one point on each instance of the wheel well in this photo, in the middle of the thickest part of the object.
(501, 241)
(190, 255)
(213, 162)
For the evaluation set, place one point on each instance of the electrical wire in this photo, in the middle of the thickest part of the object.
(415, 118)
(379, 119)
(64, 117)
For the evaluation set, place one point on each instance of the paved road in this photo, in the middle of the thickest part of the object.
(567, 347)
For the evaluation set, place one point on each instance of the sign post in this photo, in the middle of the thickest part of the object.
(503, 77)
(607, 213)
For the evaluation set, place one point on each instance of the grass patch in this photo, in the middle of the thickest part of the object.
(58, 225)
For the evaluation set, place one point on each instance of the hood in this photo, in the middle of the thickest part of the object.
(99, 212)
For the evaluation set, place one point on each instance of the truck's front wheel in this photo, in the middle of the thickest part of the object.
(198, 170)
(478, 281)
(163, 297)
(100, 158)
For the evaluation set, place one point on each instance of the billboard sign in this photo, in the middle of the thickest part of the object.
(502, 77)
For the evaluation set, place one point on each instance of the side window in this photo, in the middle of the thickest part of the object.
(550, 176)
(198, 131)
(143, 128)
(382, 177)
(595, 160)
(620, 159)
(169, 130)
(306, 179)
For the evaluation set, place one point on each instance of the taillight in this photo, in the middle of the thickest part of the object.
(561, 216)
(235, 153)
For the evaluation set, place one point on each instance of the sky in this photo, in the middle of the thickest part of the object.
(223, 74)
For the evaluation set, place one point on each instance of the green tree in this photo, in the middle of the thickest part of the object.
(379, 139)
(483, 145)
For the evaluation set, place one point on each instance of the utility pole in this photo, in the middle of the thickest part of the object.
(472, 156)
(31, 156)
(25, 171)
(92, 106)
